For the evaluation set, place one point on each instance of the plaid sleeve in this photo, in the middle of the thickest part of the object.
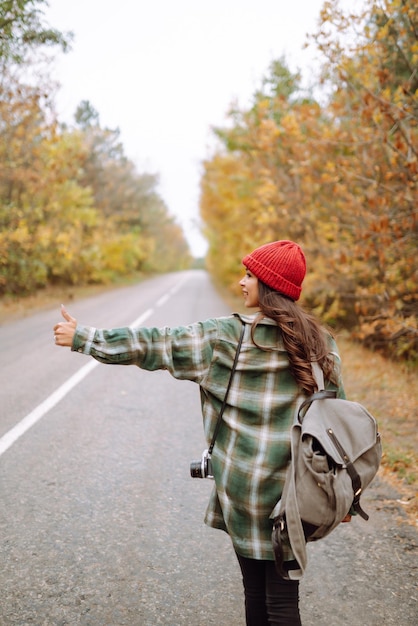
(185, 351)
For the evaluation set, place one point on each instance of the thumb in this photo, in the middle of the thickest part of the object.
(66, 315)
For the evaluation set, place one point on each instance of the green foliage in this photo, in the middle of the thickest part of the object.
(22, 29)
(86, 115)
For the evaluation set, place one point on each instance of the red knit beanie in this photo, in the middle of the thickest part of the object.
(281, 265)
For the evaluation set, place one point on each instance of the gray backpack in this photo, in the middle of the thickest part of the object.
(335, 453)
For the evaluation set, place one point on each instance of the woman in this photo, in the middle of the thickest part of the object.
(273, 376)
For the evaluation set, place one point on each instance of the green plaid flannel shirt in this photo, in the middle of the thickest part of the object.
(252, 448)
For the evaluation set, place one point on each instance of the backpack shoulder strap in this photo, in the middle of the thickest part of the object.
(318, 375)
(288, 521)
(321, 394)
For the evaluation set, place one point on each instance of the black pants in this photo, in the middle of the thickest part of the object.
(269, 599)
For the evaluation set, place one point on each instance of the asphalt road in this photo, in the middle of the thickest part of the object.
(100, 523)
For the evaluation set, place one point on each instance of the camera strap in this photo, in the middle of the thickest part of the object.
(234, 365)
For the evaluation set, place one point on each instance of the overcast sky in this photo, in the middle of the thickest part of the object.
(165, 71)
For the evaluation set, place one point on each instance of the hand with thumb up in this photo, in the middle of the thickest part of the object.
(64, 331)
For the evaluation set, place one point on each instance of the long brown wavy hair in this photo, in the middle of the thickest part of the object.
(304, 338)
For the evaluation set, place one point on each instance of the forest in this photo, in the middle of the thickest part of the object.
(332, 165)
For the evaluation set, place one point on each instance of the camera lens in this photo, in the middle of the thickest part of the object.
(196, 469)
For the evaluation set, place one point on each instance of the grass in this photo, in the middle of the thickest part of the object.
(388, 389)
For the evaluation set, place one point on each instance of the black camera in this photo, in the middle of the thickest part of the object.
(202, 468)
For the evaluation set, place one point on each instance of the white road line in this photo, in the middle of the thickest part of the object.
(163, 299)
(38, 413)
(139, 320)
(27, 422)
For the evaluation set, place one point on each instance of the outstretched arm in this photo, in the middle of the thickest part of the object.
(185, 351)
(64, 331)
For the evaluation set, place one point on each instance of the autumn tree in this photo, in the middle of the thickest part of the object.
(256, 185)
(46, 217)
(372, 65)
